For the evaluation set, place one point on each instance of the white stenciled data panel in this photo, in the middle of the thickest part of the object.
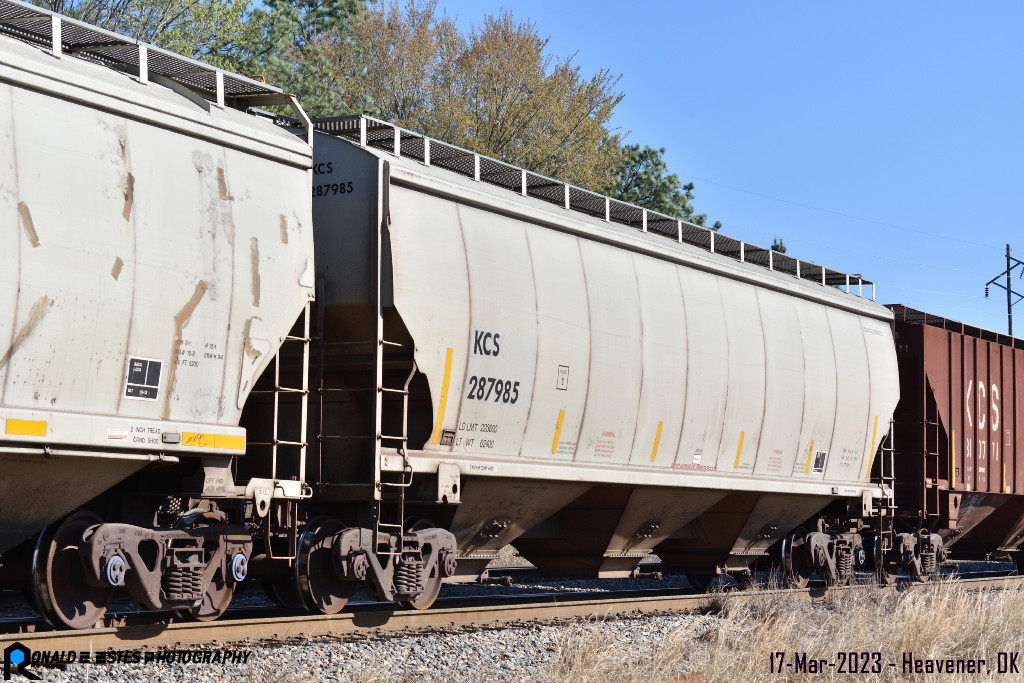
(615, 355)
(431, 286)
(885, 387)
(663, 389)
(496, 396)
(563, 346)
(852, 398)
(707, 375)
(784, 388)
(819, 406)
(744, 407)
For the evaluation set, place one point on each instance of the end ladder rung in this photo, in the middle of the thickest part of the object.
(365, 342)
(394, 391)
(345, 437)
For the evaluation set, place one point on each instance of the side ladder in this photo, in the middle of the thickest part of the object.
(887, 478)
(391, 472)
(294, 487)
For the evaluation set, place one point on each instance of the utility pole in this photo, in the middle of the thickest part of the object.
(1011, 265)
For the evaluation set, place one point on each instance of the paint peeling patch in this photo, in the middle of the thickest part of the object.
(115, 272)
(129, 196)
(250, 350)
(254, 268)
(284, 229)
(222, 185)
(180, 320)
(39, 309)
(27, 225)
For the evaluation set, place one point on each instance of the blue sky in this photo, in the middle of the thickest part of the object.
(876, 138)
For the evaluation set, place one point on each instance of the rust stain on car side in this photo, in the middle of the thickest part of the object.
(284, 229)
(39, 309)
(115, 272)
(129, 196)
(180, 319)
(27, 225)
(222, 185)
(250, 350)
(254, 270)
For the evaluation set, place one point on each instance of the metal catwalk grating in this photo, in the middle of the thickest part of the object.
(912, 315)
(36, 26)
(381, 135)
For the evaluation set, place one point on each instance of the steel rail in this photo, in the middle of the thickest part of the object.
(560, 606)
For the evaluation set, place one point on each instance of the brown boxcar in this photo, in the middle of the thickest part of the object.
(959, 460)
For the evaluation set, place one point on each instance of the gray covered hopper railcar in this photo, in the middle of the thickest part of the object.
(154, 250)
(583, 378)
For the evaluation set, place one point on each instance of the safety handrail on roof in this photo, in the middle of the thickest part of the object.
(65, 36)
(912, 315)
(370, 132)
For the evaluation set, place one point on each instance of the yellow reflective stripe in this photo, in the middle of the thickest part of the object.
(558, 431)
(444, 396)
(657, 438)
(200, 440)
(871, 453)
(952, 462)
(810, 452)
(737, 463)
(26, 427)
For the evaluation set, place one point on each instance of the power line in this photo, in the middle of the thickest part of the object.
(840, 213)
(931, 291)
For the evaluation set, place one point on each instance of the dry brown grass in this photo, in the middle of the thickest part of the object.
(942, 621)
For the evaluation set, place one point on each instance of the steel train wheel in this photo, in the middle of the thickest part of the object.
(431, 590)
(883, 574)
(222, 587)
(283, 591)
(701, 580)
(319, 587)
(60, 591)
(432, 586)
(795, 567)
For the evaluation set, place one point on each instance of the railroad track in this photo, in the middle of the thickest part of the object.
(132, 631)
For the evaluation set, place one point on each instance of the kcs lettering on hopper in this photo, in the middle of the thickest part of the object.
(486, 343)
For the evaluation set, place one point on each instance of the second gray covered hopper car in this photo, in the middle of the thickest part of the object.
(579, 383)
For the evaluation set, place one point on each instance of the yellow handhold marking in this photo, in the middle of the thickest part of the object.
(657, 438)
(738, 450)
(444, 396)
(871, 453)
(26, 427)
(200, 440)
(810, 452)
(558, 431)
